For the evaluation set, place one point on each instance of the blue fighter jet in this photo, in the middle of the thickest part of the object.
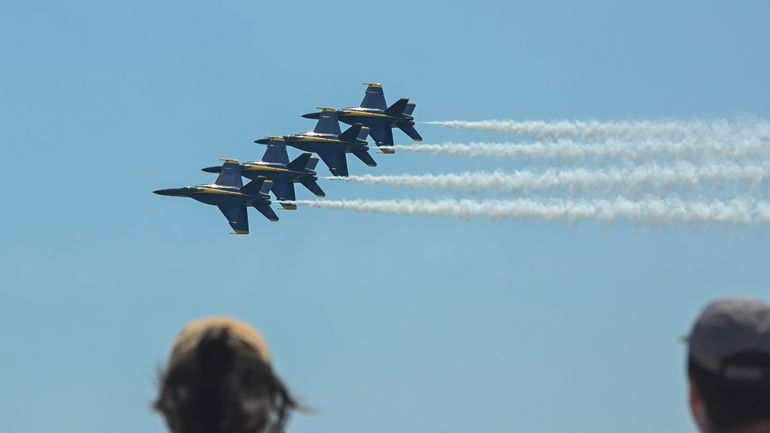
(329, 143)
(232, 198)
(275, 166)
(380, 118)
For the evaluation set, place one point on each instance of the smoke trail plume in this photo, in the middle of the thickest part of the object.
(621, 130)
(628, 179)
(611, 150)
(652, 211)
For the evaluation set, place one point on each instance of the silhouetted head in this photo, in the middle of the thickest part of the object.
(729, 367)
(219, 379)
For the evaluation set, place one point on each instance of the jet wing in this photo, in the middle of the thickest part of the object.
(327, 123)
(276, 152)
(283, 190)
(336, 161)
(237, 217)
(382, 135)
(230, 175)
(374, 97)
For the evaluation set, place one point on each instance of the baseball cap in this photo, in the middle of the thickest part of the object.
(726, 331)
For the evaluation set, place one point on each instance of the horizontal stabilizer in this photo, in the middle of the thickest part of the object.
(364, 156)
(398, 108)
(267, 211)
(276, 152)
(300, 162)
(355, 132)
(411, 132)
(314, 188)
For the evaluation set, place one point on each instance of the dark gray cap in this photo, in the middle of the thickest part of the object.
(730, 327)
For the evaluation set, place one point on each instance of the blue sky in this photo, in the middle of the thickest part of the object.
(380, 322)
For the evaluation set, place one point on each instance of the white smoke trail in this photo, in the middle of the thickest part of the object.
(628, 179)
(569, 150)
(652, 211)
(623, 130)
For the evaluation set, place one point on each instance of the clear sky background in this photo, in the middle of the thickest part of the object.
(381, 323)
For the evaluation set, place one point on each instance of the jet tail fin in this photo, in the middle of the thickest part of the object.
(409, 108)
(411, 132)
(311, 164)
(355, 132)
(313, 187)
(398, 108)
(301, 162)
(258, 186)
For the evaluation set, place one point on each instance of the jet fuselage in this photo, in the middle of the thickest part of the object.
(270, 170)
(216, 195)
(315, 142)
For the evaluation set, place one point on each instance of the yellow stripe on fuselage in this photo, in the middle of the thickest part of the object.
(265, 168)
(317, 140)
(367, 114)
(217, 191)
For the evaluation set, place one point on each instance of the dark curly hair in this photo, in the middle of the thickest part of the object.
(223, 385)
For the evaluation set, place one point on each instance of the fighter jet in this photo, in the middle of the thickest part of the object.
(331, 145)
(275, 166)
(380, 118)
(232, 198)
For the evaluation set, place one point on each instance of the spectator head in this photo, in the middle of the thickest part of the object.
(729, 366)
(219, 379)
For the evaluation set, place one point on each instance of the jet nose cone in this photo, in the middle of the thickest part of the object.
(262, 141)
(170, 191)
(311, 115)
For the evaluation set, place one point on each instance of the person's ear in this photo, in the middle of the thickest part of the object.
(698, 408)
(695, 398)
